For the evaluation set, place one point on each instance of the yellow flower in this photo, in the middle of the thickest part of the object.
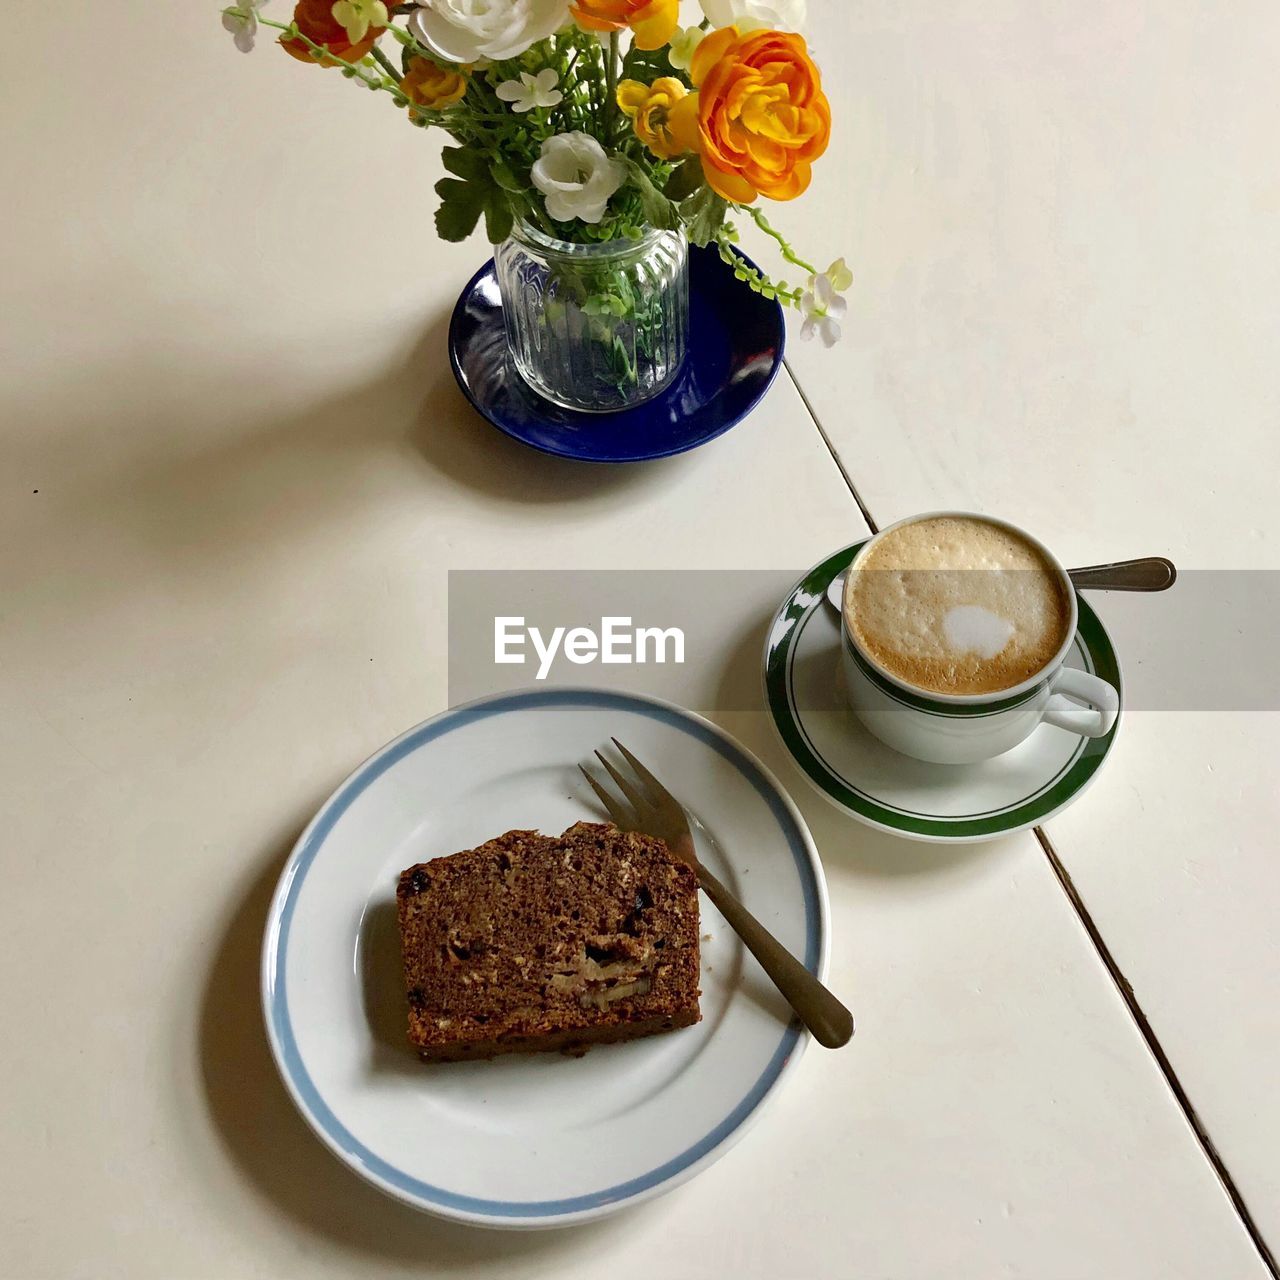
(427, 84)
(648, 107)
(355, 17)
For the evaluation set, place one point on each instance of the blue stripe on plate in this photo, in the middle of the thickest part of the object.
(290, 1058)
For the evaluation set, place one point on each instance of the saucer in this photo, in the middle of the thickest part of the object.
(875, 784)
(735, 349)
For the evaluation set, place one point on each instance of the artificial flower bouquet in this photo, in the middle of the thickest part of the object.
(595, 123)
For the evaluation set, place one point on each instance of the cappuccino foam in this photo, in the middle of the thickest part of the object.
(954, 604)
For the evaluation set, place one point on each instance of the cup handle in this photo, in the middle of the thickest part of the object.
(1070, 688)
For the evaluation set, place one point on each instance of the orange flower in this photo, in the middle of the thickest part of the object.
(427, 84)
(652, 22)
(758, 117)
(315, 20)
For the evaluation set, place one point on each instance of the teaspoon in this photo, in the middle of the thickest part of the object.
(1148, 573)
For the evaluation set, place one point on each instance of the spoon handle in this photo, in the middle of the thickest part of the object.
(1151, 573)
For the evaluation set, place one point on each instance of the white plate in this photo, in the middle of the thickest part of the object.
(539, 1140)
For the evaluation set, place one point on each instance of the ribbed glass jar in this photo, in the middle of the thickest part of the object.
(596, 327)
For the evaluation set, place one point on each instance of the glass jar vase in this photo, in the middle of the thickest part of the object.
(595, 327)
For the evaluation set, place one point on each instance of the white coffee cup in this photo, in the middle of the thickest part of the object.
(950, 728)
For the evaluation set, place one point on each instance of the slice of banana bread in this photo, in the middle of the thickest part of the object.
(530, 942)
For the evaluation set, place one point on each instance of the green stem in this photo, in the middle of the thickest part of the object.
(565, 110)
(543, 217)
(611, 90)
(467, 126)
(403, 37)
(326, 56)
(787, 251)
(471, 115)
(783, 292)
(387, 65)
(598, 72)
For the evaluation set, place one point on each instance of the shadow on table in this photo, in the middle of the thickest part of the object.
(846, 845)
(276, 1152)
(177, 451)
(454, 439)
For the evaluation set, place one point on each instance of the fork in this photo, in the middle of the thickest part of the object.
(651, 809)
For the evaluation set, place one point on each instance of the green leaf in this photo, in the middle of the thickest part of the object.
(498, 217)
(685, 179)
(648, 65)
(503, 175)
(473, 192)
(456, 221)
(453, 189)
(466, 164)
(460, 206)
(658, 210)
(703, 213)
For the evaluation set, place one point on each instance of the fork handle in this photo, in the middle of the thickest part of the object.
(824, 1015)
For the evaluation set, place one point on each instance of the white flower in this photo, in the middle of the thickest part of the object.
(821, 304)
(531, 91)
(242, 21)
(748, 15)
(468, 30)
(577, 177)
(683, 44)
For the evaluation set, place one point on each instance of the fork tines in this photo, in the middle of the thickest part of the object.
(648, 805)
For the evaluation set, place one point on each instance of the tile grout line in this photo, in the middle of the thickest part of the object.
(1122, 984)
(1156, 1049)
(826, 439)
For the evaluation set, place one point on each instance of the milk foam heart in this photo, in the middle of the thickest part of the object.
(971, 628)
(957, 605)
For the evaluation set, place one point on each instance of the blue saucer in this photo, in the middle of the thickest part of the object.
(735, 349)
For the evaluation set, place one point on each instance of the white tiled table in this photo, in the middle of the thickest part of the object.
(230, 586)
